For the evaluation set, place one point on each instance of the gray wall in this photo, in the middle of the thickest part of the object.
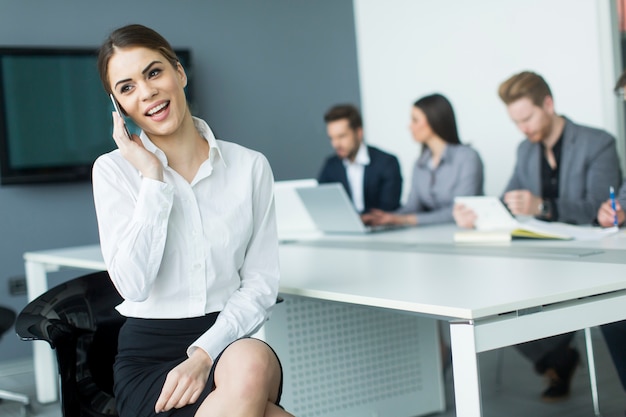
(263, 74)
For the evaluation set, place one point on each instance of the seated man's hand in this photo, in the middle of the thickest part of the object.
(606, 214)
(464, 216)
(376, 217)
(523, 202)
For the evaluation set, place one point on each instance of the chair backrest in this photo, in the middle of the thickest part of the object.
(78, 319)
(7, 317)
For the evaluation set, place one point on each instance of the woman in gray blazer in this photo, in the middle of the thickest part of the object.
(445, 168)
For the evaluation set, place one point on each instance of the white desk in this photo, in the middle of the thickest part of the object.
(486, 298)
(490, 301)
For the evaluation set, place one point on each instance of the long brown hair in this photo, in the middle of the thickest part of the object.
(440, 116)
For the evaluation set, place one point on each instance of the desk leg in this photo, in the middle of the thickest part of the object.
(465, 366)
(44, 362)
(591, 363)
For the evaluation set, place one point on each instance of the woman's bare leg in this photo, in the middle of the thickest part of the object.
(247, 379)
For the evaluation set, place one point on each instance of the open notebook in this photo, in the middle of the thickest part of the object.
(495, 223)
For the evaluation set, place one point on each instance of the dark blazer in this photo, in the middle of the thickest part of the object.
(382, 181)
(589, 166)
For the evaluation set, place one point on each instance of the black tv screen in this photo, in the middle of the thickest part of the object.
(55, 117)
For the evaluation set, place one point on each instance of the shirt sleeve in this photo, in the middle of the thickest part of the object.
(132, 214)
(249, 306)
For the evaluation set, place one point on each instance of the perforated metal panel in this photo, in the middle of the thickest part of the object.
(341, 360)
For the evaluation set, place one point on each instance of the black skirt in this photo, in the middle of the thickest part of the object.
(147, 350)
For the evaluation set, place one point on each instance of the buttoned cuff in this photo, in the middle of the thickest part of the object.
(214, 340)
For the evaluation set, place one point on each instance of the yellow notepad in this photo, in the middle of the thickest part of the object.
(534, 234)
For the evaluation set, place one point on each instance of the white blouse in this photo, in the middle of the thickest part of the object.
(176, 249)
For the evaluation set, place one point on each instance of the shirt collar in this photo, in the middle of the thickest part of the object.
(204, 130)
(362, 156)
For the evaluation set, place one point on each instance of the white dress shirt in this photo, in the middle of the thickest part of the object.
(355, 171)
(176, 249)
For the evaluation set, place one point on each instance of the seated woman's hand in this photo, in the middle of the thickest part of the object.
(464, 216)
(184, 384)
(606, 214)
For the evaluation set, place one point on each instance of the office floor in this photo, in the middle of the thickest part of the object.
(516, 395)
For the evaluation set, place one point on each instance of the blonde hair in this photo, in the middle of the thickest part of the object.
(525, 84)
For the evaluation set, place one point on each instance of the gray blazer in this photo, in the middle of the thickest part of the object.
(431, 198)
(589, 166)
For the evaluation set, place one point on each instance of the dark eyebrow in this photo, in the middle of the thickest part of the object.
(146, 69)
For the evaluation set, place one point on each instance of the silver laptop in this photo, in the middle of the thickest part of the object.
(332, 210)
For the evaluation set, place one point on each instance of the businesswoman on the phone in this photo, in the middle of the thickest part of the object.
(188, 234)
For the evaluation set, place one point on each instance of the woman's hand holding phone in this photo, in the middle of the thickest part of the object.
(133, 150)
(116, 106)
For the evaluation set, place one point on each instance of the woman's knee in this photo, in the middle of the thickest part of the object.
(250, 364)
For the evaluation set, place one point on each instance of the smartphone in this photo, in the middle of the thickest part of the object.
(117, 109)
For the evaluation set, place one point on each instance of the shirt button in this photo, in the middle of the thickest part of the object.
(197, 265)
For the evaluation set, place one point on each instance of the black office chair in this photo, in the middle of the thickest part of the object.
(7, 318)
(78, 319)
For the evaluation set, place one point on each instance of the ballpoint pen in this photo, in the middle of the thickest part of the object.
(612, 197)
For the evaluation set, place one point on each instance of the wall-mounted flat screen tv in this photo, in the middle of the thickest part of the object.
(55, 117)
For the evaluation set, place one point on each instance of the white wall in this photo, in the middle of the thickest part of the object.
(464, 50)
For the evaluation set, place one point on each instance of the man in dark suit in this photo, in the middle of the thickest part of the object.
(562, 173)
(370, 176)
